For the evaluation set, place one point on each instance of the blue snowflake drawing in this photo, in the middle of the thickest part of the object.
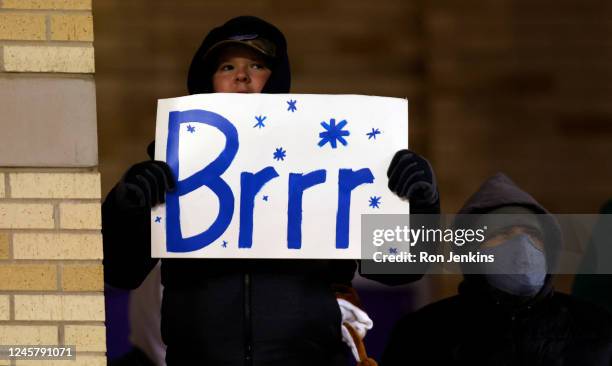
(392, 250)
(260, 120)
(375, 202)
(372, 135)
(292, 107)
(265, 198)
(157, 219)
(333, 133)
(280, 154)
(190, 128)
(224, 245)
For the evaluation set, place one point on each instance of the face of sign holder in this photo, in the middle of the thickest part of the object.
(274, 175)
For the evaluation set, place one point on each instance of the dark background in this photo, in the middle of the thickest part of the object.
(516, 86)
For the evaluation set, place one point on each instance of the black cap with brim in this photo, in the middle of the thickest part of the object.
(254, 42)
(246, 31)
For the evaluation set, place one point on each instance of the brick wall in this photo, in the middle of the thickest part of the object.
(51, 287)
(522, 87)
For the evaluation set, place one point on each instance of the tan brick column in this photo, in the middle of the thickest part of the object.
(51, 283)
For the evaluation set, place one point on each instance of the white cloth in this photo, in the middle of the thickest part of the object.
(358, 320)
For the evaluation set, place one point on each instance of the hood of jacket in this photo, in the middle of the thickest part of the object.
(500, 191)
(199, 79)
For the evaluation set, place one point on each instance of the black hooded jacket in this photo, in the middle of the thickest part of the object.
(484, 326)
(199, 78)
(232, 312)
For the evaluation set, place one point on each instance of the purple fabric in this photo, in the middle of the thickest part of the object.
(117, 323)
(385, 308)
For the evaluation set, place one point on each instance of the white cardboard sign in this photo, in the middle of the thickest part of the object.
(275, 175)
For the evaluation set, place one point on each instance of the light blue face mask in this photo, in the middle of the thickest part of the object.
(519, 267)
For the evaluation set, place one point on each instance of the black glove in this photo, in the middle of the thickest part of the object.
(412, 177)
(146, 184)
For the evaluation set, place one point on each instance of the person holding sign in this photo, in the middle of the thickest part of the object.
(241, 312)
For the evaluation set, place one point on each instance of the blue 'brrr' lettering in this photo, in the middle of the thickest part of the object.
(209, 176)
(250, 185)
(298, 183)
(347, 181)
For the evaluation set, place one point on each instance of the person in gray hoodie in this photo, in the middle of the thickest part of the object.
(512, 317)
